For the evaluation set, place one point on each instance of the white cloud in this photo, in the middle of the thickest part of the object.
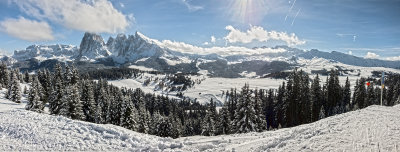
(26, 29)
(92, 16)
(191, 7)
(257, 33)
(206, 43)
(371, 55)
(223, 51)
(396, 58)
(213, 39)
(122, 5)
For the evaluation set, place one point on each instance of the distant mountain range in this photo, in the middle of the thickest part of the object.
(140, 50)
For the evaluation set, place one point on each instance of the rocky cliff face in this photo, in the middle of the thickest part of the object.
(133, 47)
(92, 47)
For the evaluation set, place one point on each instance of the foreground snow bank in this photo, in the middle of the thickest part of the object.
(22, 130)
(375, 128)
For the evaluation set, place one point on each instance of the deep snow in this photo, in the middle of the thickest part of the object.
(375, 128)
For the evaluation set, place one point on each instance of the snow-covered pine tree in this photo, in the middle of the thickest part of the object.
(88, 102)
(245, 115)
(188, 128)
(360, 93)
(208, 122)
(268, 108)
(316, 98)
(56, 91)
(104, 104)
(74, 75)
(143, 119)
(75, 108)
(176, 127)
(346, 95)
(65, 102)
(3, 75)
(370, 98)
(333, 93)
(224, 123)
(67, 75)
(396, 93)
(34, 103)
(27, 77)
(15, 89)
(305, 104)
(280, 105)
(292, 99)
(155, 120)
(128, 119)
(164, 127)
(258, 107)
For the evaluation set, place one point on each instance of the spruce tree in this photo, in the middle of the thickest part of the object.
(245, 115)
(34, 103)
(316, 98)
(27, 77)
(333, 93)
(346, 95)
(143, 120)
(15, 89)
(208, 123)
(280, 105)
(224, 125)
(360, 94)
(75, 109)
(305, 104)
(57, 91)
(89, 104)
(128, 119)
(269, 110)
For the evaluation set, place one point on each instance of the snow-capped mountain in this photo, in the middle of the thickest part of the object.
(134, 47)
(44, 52)
(349, 59)
(92, 47)
(171, 57)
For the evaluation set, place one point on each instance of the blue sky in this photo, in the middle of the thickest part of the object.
(356, 26)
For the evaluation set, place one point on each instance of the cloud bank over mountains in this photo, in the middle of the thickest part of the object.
(257, 33)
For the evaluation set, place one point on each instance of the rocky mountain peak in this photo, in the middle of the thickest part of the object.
(92, 47)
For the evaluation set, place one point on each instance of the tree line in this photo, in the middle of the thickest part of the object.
(297, 101)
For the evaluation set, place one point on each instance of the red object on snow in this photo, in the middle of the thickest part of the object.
(368, 83)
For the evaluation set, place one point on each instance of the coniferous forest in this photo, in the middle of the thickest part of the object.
(299, 100)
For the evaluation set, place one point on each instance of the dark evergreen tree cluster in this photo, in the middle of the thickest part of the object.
(297, 101)
(10, 79)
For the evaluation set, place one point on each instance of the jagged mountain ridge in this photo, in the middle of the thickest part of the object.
(350, 60)
(138, 49)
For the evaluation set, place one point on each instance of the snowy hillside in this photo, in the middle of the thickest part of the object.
(374, 128)
(209, 88)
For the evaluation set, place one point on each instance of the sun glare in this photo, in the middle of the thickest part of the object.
(248, 11)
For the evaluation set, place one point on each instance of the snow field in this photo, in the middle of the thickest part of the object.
(375, 128)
